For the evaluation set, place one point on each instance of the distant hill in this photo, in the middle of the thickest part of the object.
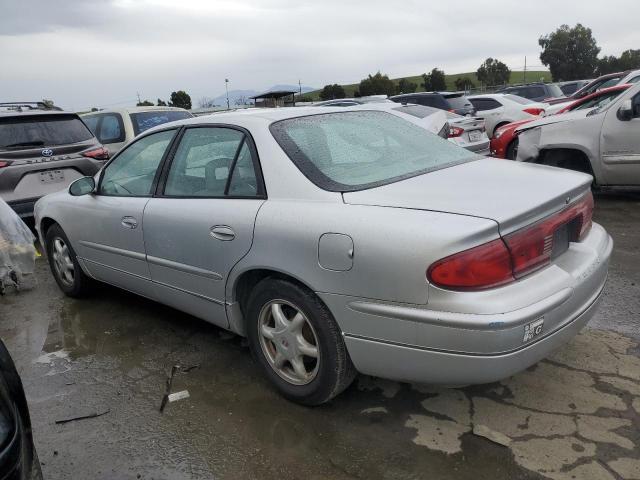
(516, 77)
(234, 95)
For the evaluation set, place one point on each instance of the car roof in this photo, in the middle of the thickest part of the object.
(154, 108)
(246, 116)
(33, 113)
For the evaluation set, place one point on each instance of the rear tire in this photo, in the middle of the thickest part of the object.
(297, 342)
(64, 264)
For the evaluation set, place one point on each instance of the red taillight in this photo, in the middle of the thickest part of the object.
(3, 163)
(534, 111)
(486, 266)
(97, 153)
(524, 251)
(455, 132)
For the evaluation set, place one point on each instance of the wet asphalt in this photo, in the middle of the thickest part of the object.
(575, 415)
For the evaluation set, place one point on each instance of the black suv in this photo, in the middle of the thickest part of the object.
(42, 150)
(534, 91)
(455, 102)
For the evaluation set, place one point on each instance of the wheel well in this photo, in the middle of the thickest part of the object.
(45, 225)
(249, 279)
(566, 158)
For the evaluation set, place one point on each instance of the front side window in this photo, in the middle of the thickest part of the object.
(212, 162)
(484, 104)
(350, 151)
(132, 172)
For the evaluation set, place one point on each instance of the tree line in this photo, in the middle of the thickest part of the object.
(180, 99)
(570, 53)
(492, 72)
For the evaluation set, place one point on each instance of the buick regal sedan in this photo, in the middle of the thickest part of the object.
(339, 241)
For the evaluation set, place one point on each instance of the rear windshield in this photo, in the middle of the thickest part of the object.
(418, 111)
(518, 99)
(458, 102)
(42, 131)
(145, 120)
(349, 151)
(555, 91)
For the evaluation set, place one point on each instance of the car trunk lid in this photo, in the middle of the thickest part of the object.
(512, 194)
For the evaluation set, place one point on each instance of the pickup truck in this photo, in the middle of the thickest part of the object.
(603, 142)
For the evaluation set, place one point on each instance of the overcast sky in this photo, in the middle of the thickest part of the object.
(85, 53)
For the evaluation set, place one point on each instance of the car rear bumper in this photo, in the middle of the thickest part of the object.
(455, 342)
(421, 365)
(20, 185)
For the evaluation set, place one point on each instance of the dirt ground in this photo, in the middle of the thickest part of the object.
(575, 415)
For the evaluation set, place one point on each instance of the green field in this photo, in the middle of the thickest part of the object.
(516, 77)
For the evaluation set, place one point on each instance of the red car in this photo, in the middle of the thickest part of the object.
(504, 143)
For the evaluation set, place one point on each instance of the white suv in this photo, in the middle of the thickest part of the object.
(115, 128)
(604, 141)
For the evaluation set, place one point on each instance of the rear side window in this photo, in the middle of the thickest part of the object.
(483, 104)
(350, 151)
(534, 92)
(42, 131)
(145, 120)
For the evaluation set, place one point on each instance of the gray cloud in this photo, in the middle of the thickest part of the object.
(101, 52)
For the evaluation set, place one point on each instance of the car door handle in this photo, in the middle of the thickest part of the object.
(222, 232)
(129, 222)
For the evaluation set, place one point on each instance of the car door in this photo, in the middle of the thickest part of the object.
(620, 143)
(107, 225)
(200, 223)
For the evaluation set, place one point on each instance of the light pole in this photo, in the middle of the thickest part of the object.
(226, 83)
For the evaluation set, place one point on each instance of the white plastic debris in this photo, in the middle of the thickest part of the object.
(174, 397)
(17, 252)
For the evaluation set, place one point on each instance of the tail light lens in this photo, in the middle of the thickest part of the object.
(534, 111)
(503, 260)
(486, 266)
(100, 153)
(455, 132)
(3, 163)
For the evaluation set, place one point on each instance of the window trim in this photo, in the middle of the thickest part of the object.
(156, 178)
(257, 168)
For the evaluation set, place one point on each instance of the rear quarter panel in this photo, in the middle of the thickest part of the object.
(392, 247)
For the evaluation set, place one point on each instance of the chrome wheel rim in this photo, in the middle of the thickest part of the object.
(289, 342)
(62, 262)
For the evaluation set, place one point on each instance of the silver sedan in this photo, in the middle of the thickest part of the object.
(339, 241)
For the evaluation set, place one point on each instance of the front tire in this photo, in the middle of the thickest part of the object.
(297, 342)
(64, 264)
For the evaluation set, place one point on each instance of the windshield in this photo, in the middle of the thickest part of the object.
(145, 120)
(350, 151)
(518, 99)
(42, 131)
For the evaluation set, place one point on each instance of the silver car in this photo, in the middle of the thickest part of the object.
(339, 241)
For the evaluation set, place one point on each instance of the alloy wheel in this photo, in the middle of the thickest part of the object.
(289, 342)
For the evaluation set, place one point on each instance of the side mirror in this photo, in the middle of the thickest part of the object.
(625, 112)
(82, 186)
